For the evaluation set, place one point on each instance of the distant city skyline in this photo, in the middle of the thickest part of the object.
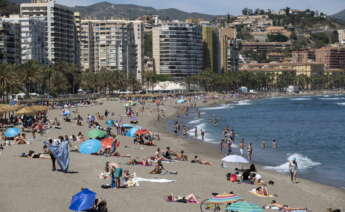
(221, 7)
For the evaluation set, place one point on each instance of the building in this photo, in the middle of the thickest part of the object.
(60, 29)
(307, 69)
(341, 36)
(256, 22)
(232, 56)
(210, 41)
(265, 46)
(303, 56)
(332, 57)
(9, 42)
(32, 38)
(225, 36)
(115, 45)
(177, 49)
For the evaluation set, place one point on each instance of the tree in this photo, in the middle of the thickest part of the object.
(277, 37)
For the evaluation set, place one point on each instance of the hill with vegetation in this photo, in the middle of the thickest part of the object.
(131, 11)
(340, 15)
(8, 7)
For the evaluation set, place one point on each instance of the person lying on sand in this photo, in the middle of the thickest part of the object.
(190, 198)
(203, 162)
(33, 154)
(285, 208)
(159, 169)
(144, 162)
(181, 156)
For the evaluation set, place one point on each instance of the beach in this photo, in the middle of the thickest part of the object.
(30, 185)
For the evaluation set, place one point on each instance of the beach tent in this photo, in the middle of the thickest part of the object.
(83, 200)
(95, 133)
(109, 123)
(90, 146)
(107, 142)
(235, 159)
(244, 207)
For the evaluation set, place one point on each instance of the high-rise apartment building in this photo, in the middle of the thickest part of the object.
(115, 45)
(210, 42)
(232, 55)
(341, 36)
(177, 49)
(32, 38)
(228, 49)
(60, 28)
(9, 42)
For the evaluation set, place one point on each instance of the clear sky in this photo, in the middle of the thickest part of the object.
(220, 7)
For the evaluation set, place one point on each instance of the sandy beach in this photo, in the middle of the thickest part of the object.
(29, 185)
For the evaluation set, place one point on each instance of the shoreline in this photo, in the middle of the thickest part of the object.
(218, 155)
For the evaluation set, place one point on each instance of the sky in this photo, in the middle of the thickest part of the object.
(221, 7)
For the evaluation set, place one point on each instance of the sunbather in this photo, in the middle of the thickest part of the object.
(285, 208)
(203, 162)
(182, 156)
(33, 154)
(190, 198)
(144, 162)
(20, 139)
(158, 168)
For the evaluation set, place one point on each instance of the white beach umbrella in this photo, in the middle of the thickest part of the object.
(234, 159)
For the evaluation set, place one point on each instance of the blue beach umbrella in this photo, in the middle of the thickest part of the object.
(12, 132)
(109, 123)
(90, 146)
(66, 113)
(181, 101)
(131, 132)
(83, 200)
(244, 207)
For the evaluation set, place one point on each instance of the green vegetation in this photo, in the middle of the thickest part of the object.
(7, 8)
(277, 38)
(264, 81)
(320, 39)
(58, 79)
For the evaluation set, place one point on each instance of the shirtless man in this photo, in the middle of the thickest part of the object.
(250, 151)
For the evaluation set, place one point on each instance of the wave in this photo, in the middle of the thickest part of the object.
(300, 99)
(221, 107)
(197, 121)
(341, 103)
(332, 99)
(244, 102)
(202, 126)
(303, 163)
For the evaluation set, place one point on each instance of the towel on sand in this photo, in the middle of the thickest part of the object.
(139, 179)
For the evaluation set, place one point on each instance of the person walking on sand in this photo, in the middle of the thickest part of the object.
(229, 142)
(242, 145)
(293, 167)
(250, 151)
(221, 145)
(196, 132)
(202, 132)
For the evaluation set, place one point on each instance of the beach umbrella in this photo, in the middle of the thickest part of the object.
(109, 123)
(142, 132)
(95, 133)
(12, 132)
(83, 200)
(181, 101)
(131, 132)
(107, 142)
(244, 207)
(224, 199)
(129, 126)
(90, 146)
(235, 159)
(66, 113)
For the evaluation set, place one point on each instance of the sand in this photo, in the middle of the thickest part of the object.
(29, 184)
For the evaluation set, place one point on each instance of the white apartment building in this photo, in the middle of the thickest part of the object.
(341, 36)
(33, 45)
(177, 49)
(60, 29)
(115, 45)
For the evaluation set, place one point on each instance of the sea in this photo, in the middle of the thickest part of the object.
(309, 128)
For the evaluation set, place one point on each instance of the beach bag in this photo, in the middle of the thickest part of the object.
(233, 178)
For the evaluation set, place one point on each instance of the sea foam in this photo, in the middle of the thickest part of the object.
(244, 102)
(341, 103)
(220, 107)
(303, 163)
(300, 99)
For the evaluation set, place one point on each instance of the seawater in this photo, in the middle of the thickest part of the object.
(310, 129)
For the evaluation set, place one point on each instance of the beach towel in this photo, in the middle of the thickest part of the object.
(61, 153)
(139, 179)
(259, 195)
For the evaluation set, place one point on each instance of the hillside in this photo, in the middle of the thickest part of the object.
(8, 7)
(130, 11)
(340, 15)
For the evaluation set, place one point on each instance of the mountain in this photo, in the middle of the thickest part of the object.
(340, 15)
(131, 11)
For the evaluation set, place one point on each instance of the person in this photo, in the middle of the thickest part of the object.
(158, 168)
(262, 190)
(263, 144)
(203, 162)
(168, 153)
(242, 145)
(182, 156)
(293, 170)
(196, 132)
(221, 144)
(250, 151)
(190, 198)
(274, 144)
(52, 155)
(202, 132)
(111, 168)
